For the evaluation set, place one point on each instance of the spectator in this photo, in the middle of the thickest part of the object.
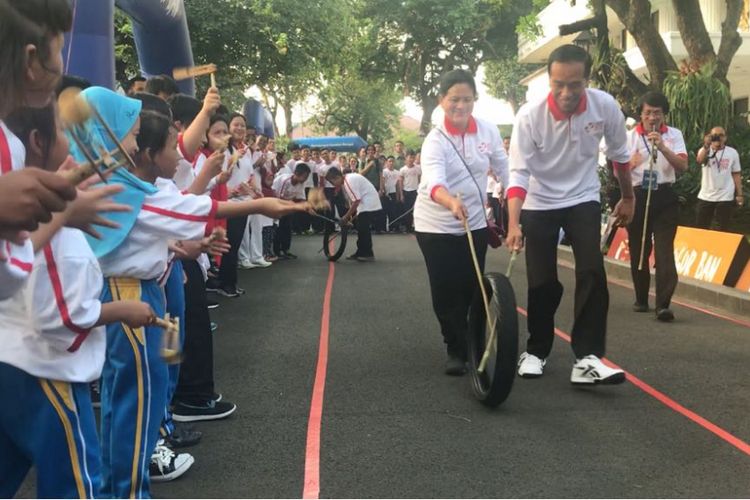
(135, 85)
(163, 86)
(721, 186)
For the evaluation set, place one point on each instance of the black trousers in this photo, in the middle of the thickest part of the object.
(196, 381)
(410, 197)
(393, 210)
(541, 228)
(338, 205)
(379, 218)
(721, 209)
(228, 268)
(283, 240)
(268, 233)
(663, 217)
(364, 236)
(453, 282)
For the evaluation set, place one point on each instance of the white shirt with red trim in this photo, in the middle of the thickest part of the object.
(390, 179)
(637, 141)
(184, 175)
(200, 160)
(284, 189)
(411, 176)
(482, 149)
(717, 183)
(554, 157)
(322, 169)
(357, 188)
(165, 215)
(242, 171)
(309, 183)
(16, 261)
(48, 328)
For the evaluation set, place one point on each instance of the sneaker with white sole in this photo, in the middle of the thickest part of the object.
(591, 370)
(529, 366)
(260, 263)
(245, 264)
(207, 410)
(166, 465)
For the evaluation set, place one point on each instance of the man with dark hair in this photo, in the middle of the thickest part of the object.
(653, 141)
(289, 187)
(554, 153)
(363, 202)
(162, 86)
(399, 155)
(135, 85)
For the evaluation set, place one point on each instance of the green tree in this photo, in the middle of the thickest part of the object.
(503, 80)
(126, 57)
(423, 39)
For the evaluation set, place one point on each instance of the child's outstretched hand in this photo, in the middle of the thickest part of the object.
(212, 101)
(85, 211)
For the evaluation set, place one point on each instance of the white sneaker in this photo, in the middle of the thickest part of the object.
(166, 465)
(260, 263)
(529, 366)
(245, 264)
(591, 370)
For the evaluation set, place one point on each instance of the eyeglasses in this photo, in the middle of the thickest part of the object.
(465, 100)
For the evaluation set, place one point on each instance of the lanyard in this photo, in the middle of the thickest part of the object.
(718, 162)
(645, 143)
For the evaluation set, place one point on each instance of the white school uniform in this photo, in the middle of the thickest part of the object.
(411, 176)
(48, 328)
(16, 261)
(481, 148)
(638, 142)
(357, 188)
(184, 175)
(309, 182)
(242, 171)
(166, 214)
(285, 190)
(322, 170)
(717, 183)
(390, 179)
(554, 157)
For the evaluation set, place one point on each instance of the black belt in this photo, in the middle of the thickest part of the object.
(664, 184)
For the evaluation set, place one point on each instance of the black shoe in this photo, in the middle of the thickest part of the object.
(665, 314)
(455, 365)
(290, 255)
(640, 308)
(183, 435)
(370, 258)
(212, 285)
(228, 292)
(353, 256)
(208, 410)
(212, 304)
(217, 396)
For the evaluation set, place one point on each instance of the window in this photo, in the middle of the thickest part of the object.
(655, 20)
(740, 106)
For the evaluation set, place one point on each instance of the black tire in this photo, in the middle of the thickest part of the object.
(493, 386)
(339, 243)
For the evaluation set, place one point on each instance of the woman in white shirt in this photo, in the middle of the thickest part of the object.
(456, 157)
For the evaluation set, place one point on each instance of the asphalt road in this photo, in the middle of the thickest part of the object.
(393, 425)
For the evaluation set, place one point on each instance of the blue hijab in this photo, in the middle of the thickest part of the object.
(120, 113)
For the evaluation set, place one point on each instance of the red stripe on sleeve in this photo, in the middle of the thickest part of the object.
(181, 146)
(434, 190)
(62, 307)
(180, 215)
(517, 192)
(6, 161)
(620, 166)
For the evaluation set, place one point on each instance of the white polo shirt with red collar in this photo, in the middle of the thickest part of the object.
(554, 156)
(357, 188)
(638, 142)
(481, 149)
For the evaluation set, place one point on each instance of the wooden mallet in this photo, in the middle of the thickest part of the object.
(193, 71)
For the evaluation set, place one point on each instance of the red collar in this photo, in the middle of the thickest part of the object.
(470, 129)
(642, 131)
(559, 114)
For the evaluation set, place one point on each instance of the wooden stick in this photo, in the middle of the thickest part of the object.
(651, 162)
(113, 137)
(213, 80)
(193, 71)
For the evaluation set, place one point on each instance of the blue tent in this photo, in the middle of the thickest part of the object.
(349, 143)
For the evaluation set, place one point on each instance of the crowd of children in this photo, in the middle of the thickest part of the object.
(88, 273)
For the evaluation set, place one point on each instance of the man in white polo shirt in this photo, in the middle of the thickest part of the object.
(364, 201)
(553, 175)
(721, 186)
(652, 138)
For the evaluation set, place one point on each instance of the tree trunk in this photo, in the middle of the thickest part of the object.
(288, 107)
(693, 31)
(636, 16)
(730, 39)
(429, 103)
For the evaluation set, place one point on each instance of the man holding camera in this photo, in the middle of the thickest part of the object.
(721, 187)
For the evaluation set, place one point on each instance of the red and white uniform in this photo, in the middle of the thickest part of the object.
(48, 328)
(390, 180)
(481, 148)
(358, 188)
(554, 156)
(165, 215)
(410, 176)
(322, 169)
(638, 141)
(284, 189)
(16, 261)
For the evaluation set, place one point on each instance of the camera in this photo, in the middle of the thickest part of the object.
(715, 137)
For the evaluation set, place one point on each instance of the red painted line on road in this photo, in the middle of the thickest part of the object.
(667, 401)
(312, 450)
(627, 285)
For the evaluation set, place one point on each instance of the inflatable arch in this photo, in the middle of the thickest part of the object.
(161, 37)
